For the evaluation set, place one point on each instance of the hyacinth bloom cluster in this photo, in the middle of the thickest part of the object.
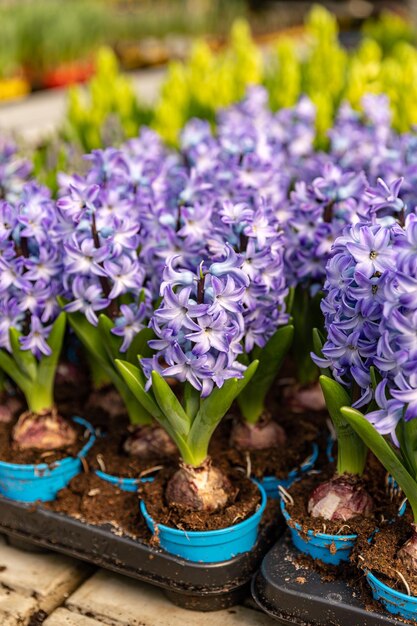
(353, 305)
(199, 324)
(396, 394)
(370, 307)
(105, 218)
(31, 257)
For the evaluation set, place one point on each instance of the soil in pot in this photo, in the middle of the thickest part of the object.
(380, 556)
(243, 505)
(97, 502)
(301, 431)
(10, 454)
(109, 456)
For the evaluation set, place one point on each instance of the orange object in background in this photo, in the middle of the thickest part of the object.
(68, 74)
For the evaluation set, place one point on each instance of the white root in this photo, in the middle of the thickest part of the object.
(248, 465)
(101, 463)
(405, 583)
(287, 497)
(150, 470)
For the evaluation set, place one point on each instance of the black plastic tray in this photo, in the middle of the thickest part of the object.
(200, 587)
(309, 601)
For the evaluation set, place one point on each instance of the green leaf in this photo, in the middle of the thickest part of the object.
(140, 346)
(385, 454)
(191, 400)
(135, 380)
(48, 364)
(215, 406)
(407, 437)
(110, 341)
(170, 405)
(89, 336)
(351, 452)
(25, 360)
(289, 302)
(252, 399)
(8, 365)
(318, 342)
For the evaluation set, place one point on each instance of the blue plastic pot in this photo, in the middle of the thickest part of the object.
(330, 446)
(28, 483)
(332, 549)
(395, 602)
(125, 484)
(211, 546)
(271, 483)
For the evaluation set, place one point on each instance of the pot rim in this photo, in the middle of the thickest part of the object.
(311, 533)
(212, 533)
(385, 587)
(62, 462)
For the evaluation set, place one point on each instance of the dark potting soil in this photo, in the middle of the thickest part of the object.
(301, 432)
(246, 503)
(373, 480)
(97, 502)
(10, 454)
(108, 455)
(380, 556)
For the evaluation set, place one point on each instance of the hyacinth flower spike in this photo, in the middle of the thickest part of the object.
(360, 291)
(197, 345)
(108, 296)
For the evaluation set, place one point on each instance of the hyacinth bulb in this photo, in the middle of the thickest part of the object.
(305, 398)
(203, 488)
(8, 408)
(69, 374)
(43, 431)
(340, 499)
(261, 436)
(408, 552)
(149, 442)
(108, 400)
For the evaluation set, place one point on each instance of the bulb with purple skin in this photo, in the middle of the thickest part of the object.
(46, 430)
(8, 408)
(340, 499)
(302, 398)
(149, 442)
(266, 433)
(408, 552)
(203, 488)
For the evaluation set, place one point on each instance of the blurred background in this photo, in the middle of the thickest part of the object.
(52, 43)
(76, 75)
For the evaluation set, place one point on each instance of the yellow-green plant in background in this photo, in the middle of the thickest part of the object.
(207, 82)
(316, 65)
(107, 109)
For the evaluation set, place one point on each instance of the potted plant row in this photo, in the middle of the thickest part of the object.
(184, 276)
(368, 382)
(179, 324)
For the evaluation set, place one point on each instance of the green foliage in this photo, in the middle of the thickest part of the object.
(351, 451)
(108, 111)
(400, 463)
(388, 30)
(34, 377)
(104, 348)
(191, 422)
(252, 399)
(207, 82)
